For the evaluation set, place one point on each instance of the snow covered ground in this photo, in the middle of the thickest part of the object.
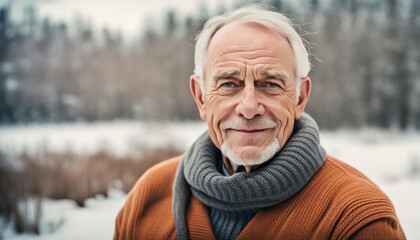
(64, 220)
(391, 159)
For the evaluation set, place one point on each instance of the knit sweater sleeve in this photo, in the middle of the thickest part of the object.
(386, 228)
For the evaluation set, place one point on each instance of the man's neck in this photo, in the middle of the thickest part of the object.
(233, 168)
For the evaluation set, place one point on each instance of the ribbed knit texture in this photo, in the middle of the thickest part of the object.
(270, 184)
(228, 224)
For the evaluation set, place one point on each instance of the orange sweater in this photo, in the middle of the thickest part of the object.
(338, 203)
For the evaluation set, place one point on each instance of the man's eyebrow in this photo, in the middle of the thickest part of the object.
(225, 74)
(274, 74)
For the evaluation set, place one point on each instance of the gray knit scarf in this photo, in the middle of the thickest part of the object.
(272, 183)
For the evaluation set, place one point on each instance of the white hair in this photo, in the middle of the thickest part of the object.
(253, 14)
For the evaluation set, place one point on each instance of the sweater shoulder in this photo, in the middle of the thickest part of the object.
(159, 175)
(346, 178)
(148, 200)
(156, 182)
(164, 168)
(350, 186)
(353, 200)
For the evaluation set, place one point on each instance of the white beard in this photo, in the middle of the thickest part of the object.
(264, 156)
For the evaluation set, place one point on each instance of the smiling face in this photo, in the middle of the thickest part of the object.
(249, 101)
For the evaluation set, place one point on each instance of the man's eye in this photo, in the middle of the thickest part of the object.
(229, 87)
(228, 84)
(271, 85)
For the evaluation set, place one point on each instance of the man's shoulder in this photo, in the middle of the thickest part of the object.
(160, 176)
(148, 200)
(350, 196)
(339, 202)
(166, 167)
(347, 181)
(339, 173)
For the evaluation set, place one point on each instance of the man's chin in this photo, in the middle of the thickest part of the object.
(250, 155)
(247, 159)
(248, 162)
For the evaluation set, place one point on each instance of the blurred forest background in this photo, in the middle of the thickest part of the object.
(365, 56)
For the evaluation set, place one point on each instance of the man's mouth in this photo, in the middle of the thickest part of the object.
(249, 130)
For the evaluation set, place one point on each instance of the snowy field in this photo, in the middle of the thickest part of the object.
(391, 159)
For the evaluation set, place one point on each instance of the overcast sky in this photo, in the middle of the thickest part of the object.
(127, 15)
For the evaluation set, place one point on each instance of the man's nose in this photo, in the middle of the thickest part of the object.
(249, 106)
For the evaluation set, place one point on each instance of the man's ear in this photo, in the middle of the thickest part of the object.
(305, 89)
(198, 95)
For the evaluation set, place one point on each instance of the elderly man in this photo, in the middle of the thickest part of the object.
(260, 171)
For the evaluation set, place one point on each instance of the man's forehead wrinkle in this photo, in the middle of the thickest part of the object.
(250, 51)
(253, 59)
(242, 55)
(247, 57)
(236, 67)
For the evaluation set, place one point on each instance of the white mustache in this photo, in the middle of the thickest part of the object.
(241, 123)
